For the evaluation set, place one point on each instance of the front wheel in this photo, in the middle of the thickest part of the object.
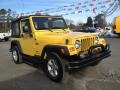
(54, 67)
(95, 63)
(17, 57)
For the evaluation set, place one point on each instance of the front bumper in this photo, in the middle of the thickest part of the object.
(1, 38)
(91, 58)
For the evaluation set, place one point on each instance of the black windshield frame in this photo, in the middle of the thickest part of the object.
(40, 22)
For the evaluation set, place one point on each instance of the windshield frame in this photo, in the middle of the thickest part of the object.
(39, 29)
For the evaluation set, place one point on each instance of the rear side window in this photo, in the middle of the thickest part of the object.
(25, 23)
(15, 29)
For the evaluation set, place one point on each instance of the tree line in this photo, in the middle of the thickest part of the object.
(5, 17)
(4, 11)
(98, 21)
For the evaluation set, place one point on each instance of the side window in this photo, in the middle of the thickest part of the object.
(15, 29)
(25, 26)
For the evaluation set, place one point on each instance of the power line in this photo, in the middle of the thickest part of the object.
(112, 8)
(108, 12)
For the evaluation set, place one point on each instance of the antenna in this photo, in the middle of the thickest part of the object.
(22, 5)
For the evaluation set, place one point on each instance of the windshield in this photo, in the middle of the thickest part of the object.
(42, 23)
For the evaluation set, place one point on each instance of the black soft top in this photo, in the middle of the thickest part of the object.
(18, 19)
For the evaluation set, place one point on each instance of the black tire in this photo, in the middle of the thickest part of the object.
(119, 35)
(95, 63)
(18, 59)
(58, 66)
(6, 38)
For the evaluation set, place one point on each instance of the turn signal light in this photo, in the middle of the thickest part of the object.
(103, 42)
(72, 49)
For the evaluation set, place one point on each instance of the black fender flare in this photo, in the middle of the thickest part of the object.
(55, 48)
(17, 43)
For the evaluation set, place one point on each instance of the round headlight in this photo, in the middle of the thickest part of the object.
(97, 40)
(77, 44)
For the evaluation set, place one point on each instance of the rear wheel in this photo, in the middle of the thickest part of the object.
(17, 57)
(6, 38)
(54, 67)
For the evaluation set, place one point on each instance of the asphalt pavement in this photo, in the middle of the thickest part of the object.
(104, 76)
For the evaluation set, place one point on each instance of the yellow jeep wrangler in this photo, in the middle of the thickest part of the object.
(47, 39)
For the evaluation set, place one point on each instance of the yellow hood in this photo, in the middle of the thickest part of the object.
(60, 37)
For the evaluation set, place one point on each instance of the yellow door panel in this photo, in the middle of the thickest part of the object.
(27, 40)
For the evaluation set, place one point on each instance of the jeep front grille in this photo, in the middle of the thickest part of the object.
(86, 43)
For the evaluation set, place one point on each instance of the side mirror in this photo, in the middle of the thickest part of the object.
(26, 29)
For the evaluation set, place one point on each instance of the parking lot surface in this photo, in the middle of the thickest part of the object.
(104, 76)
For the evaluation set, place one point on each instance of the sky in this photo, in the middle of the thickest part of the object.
(24, 6)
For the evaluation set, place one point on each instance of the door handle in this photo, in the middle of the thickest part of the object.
(22, 35)
(31, 35)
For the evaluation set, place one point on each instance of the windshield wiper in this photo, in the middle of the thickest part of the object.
(58, 28)
(45, 29)
(50, 29)
(63, 29)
